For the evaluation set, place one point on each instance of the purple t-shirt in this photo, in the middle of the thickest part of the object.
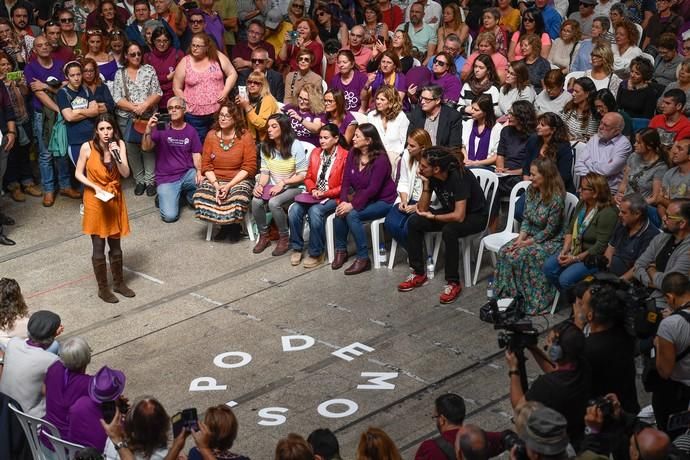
(348, 119)
(214, 27)
(351, 91)
(85, 425)
(108, 69)
(63, 388)
(400, 84)
(34, 70)
(302, 133)
(174, 149)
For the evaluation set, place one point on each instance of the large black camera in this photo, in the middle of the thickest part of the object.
(510, 439)
(518, 332)
(605, 405)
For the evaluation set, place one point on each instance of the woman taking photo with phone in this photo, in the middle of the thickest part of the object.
(101, 165)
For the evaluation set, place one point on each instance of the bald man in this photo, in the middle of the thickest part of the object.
(649, 444)
(471, 443)
(607, 152)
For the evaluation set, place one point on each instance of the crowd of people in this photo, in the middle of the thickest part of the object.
(339, 113)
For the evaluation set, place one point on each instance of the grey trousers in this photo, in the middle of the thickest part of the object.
(142, 163)
(278, 207)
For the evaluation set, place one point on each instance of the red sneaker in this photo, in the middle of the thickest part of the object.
(451, 291)
(412, 281)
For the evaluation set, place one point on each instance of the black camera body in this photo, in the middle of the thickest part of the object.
(517, 332)
(605, 406)
(510, 439)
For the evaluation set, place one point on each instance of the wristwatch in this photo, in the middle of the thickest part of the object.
(513, 372)
(120, 445)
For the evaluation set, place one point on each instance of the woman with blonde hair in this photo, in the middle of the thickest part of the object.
(375, 444)
(601, 72)
(259, 104)
(305, 116)
(409, 186)
(566, 46)
(390, 121)
(452, 24)
(587, 234)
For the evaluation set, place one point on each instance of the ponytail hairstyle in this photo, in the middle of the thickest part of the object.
(651, 139)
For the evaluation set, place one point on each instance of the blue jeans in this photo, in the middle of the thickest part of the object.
(46, 159)
(396, 224)
(353, 222)
(565, 278)
(317, 218)
(202, 124)
(169, 195)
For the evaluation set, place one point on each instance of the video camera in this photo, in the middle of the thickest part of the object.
(518, 332)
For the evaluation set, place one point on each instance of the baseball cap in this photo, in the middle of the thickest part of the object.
(545, 432)
(43, 325)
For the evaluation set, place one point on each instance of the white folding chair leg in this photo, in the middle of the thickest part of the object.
(480, 253)
(391, 257)
(330, 237)
(555, 303)
(376, 225)
(466, 263)
(437, 247)
(249, 224)
(209, 231)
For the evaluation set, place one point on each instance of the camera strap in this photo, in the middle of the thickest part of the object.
(446, 447)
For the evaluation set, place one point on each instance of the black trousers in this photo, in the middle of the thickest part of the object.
(673, 397)
(417, 226)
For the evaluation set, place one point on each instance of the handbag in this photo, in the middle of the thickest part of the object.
(136, 126)
(59, 142)
(651, 380)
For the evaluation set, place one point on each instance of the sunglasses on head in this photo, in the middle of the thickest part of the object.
(94, 32)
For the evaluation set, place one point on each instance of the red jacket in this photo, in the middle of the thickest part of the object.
(335, 179)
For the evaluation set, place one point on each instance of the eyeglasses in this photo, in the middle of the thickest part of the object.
(161, 41)
(50, 23)
(116, 33)
(66, 20)
(175, 107)
(258, 61)
(440, 63)
(595, 55)
(134, 54)
(304, 59)
(329, 101)
(427, 99)
(224, 116)
(196, 21)
(674, 218)
(527, 19)
(254, 82)
(195, 46)
(298, 5)
(89, 71)
(321, 14)
(586, 189)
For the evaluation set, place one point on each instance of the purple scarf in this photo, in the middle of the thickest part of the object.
(484, 138)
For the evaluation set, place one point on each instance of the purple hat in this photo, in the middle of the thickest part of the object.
(107, 385)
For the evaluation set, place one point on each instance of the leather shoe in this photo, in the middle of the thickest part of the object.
(339, 259)
(139, 189)
(6, 241)
(150, 190)
(6, 220)
(359, 266)
(48, 199)
(70, 193)
(33, 190)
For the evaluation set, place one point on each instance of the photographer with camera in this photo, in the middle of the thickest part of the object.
(565, 386)
(671, 387)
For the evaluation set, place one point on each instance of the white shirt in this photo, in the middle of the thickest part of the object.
(493, 138)
(431, 10)
(602, 9)
(543, 103)
(621, 62)
(394, 135)
(111, 454)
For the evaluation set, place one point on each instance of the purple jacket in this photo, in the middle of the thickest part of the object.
(451, 86)
(63, 389)
(85, 425)
(369, 185)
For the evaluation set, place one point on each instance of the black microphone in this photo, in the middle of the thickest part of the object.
(115, 151)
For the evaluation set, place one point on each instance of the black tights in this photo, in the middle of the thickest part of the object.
(99, 246)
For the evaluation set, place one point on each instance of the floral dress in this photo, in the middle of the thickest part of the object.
(520, 272)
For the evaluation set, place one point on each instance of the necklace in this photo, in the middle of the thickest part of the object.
(223, 145)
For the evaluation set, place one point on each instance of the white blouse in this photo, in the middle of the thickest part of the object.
(394, 135)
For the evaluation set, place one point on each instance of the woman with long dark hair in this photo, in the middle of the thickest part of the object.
(323, 182)
(335, 112)
(532, 23)
(579, 115)
(329, 24)
(108, 19)
(516, 88)
(482, 80)
(367, 193)
(463, 211)
(14, 313)
(101, 165)
(551, 141)
(284, 164)
(480, 134)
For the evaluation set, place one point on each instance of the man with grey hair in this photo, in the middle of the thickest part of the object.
(178, 159)
(443, 124)
(27, 360)
(631, 235)
(66, 381)
(606, 152)
(260, 62)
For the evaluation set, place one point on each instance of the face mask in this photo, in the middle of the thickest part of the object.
(555, 353)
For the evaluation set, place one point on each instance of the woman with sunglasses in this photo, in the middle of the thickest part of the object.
(259, 105)
(295, 80)
(96, 49)
(444, 74)
(532, 23)
(336, 112)
(323, 183)
(601, 72)
(69, 37)
(297, 9)
(349, 80)
(164, 59)
(204, 79)
(329, 25)
(307, 34)
(136, 92)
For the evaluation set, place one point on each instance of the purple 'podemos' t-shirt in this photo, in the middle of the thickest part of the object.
(34, 70)
(351, 91)
(174, 149)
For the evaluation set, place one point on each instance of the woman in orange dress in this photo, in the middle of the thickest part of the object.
(102, 162)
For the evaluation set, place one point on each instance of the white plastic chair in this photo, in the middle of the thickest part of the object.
(33, 427)
(374, 227)
(495, 241)
(639, 33)
(360, 117)
(575, 75)
(64, 450)
(248, 224)
(416, 62)
(324, 64)
(324, 86)
(570, 205)
(489, 184)
(577, 147)
(648, 57)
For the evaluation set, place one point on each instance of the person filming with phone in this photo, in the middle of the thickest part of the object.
(178, 158)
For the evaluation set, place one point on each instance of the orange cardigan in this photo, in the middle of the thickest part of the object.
(335, 179)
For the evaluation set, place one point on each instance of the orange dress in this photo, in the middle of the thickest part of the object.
(104, 219)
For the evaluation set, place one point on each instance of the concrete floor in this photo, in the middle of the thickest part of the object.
(197, 300)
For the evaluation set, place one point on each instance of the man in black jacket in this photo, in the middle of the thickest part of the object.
(443, 124)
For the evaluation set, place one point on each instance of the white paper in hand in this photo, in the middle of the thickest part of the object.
(104, 196)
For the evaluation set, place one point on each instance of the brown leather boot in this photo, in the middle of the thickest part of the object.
(262, 244)
(100, 269)
(282, 246)
(119, 285)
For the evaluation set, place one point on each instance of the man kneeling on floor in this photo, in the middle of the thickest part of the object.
(178, 159)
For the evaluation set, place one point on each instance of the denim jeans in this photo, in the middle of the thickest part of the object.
(169, 195)
(141, 163)
(202, 124)
(46, 159)
(565, 278)
(396, 224)
(353, 222)
(317, 220)
(277, 205)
